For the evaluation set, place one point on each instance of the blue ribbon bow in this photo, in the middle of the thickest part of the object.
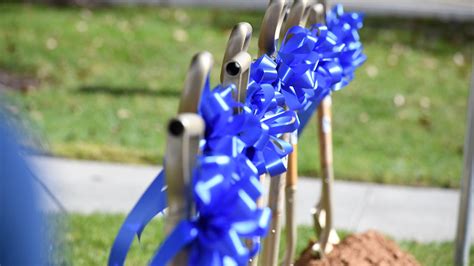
(337, 68)
(307, 65)
(225, 191)
(346, 27)
(256, 136)
(226, 188)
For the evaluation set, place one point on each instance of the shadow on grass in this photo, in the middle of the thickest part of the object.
(129, 91)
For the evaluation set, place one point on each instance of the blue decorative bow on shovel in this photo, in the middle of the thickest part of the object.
(337, 69)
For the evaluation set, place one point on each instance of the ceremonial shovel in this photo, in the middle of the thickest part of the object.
(184, 133)
(322, 213)
(267, 43)
(297, 16)
(236, 67)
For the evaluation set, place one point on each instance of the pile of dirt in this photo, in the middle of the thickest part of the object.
(366, 249)
(12, 81)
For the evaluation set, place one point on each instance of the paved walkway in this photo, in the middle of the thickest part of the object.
(423, 214)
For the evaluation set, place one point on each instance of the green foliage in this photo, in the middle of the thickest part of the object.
(111, 79)
(433, 254)
(89, 239)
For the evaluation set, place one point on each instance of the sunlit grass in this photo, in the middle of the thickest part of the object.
(111, 79)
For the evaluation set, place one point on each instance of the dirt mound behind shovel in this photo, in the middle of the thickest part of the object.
(370, 248)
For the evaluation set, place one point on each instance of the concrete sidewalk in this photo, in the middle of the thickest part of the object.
(405, 213)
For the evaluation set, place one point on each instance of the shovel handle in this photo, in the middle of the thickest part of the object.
(327, 172)
(270, 29)
(239, 41)
(196, 78)
(317, 14)
(297, 16)
(184, 134)
(236, 72)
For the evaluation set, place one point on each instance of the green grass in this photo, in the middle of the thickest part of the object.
(87, 241)
(111, 79)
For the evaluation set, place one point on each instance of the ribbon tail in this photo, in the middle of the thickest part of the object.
(183, 234)
(152, 202)
(306, 114)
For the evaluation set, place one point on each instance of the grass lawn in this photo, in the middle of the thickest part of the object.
(111, 79)
(88, 240)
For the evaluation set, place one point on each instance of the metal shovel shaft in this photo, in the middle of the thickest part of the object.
(290, 203)
(297, 17)
(323, 215)
(267, 44)
(184, 133)
(271, 243)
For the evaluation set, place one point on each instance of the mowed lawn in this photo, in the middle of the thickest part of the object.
(110, 79)
(87, 239)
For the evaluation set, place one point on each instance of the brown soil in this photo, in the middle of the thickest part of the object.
(15, 82)
(366, 249)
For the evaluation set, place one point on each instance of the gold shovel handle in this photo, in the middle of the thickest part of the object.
(196, 78)
(325, 137)
(271, 25)
(296, 17)
(184, 134)
(239, 41)
(290, 205)
(323, 212)
(236, 71)
(317, 13)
